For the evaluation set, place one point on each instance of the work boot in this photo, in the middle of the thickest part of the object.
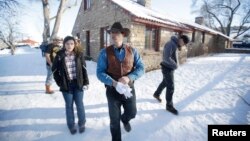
(73, 130)
(81, 129)
(157, 98)
(127, 126)
(48, 89)
(171, 109)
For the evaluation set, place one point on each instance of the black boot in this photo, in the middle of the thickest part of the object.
(81, 129)
(127, 126)
(171, 109)
(157, 98)
(73, 130)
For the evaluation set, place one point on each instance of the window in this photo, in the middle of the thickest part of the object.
(152, 38)
(203, 37)
(78, 35)
(88, 43)
(193, 36)
(104, 38)
(87, 4)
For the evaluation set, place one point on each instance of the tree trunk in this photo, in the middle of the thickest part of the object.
(12, 50)
(46, 13)
(58, 19)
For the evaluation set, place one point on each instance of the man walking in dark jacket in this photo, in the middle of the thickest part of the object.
(169, 64)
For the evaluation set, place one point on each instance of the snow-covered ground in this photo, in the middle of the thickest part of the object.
(209, 90)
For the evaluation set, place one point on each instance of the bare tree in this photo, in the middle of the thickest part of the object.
(222, 13)
(9, 25)
(9, 32)
(46, 12)
(8, 4)
(58, 18)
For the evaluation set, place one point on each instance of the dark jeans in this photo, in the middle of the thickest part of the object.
(74, 95)
(167, 82)
(115, 101)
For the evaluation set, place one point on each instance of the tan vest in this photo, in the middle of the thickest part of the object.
(117, 69)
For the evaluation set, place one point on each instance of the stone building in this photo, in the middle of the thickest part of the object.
(150, 30)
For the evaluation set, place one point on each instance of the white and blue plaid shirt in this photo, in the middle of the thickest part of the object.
(70, 65)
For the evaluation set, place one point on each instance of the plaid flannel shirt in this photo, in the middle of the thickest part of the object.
(71, 66)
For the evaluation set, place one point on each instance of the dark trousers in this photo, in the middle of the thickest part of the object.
(167, 82)
(115, 101)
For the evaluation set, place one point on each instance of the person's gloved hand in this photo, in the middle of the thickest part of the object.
(128, 93)
(86, 87)
(120, 88)
(124, 89)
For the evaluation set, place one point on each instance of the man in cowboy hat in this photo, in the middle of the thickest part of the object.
(118, 66)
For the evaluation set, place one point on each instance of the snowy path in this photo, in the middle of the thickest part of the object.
(209, 90)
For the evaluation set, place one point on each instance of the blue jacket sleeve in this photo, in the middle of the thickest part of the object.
(139, 69)
(102, 64)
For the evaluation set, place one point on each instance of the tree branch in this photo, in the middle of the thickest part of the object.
(225, 6)
(64, 10)
(238, 34)
(8, 3)
(244, 21)
(217, 19)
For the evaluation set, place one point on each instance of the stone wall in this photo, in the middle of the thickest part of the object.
(152, 59)
(218, 44)
(237, 50)
(165, 37)
(196, 47)
(137, 36)
(211, 44)
(104, 13)
(99, 15)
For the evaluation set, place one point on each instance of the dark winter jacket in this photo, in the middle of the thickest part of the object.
(170, 57)
(60, 72)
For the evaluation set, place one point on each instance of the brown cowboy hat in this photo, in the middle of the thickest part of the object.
(117, 27)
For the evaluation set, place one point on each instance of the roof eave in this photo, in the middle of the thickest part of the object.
(159, 24)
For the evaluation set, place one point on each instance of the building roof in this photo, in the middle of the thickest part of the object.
(205, 28)
(144, 13)
(28, 41)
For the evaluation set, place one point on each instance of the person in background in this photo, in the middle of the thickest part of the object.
(168, 66)
(78, 43)
(50, 54)
(71, 76)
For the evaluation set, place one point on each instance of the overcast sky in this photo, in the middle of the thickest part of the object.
(31, 21)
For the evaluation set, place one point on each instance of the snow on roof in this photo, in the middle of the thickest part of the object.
(202, 27)
(145, 13)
